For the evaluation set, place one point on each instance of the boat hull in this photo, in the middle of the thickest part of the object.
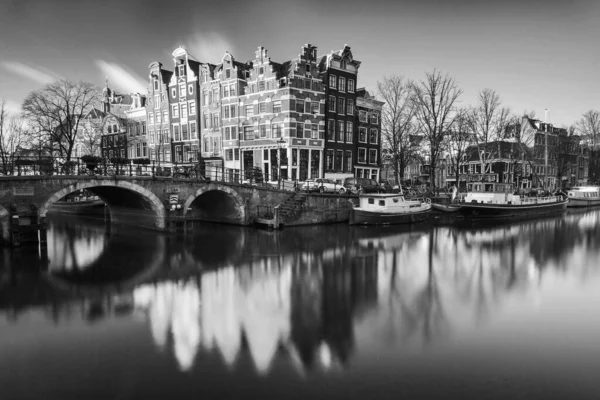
(362, 217)
(445, 208)
(484, 211)
(94, 207)
(582, 203)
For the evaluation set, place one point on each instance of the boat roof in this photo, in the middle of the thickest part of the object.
(586, 188)
(380, 195)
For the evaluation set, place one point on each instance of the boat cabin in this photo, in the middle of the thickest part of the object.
(585, 192)
(387, 202)
(490, 192)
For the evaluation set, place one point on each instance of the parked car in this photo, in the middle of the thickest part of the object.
(321, 185)
(362, 185)
(309, 185)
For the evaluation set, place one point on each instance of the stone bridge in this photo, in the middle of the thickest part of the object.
(143, 201)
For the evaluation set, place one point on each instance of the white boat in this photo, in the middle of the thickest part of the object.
(584, 196)
(387, 209)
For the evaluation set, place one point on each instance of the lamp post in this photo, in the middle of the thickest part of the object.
(280, 144)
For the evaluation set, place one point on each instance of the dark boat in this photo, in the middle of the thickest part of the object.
(496, 200)
(81, 204)
(446, 208)
(388, 209)
(584, 196)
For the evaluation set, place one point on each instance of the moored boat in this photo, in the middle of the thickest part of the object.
(497, 200)
(584, 196)
(388, 209)
(86, 204)
(445, 208)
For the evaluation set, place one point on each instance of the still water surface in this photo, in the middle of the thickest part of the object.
(486, 312)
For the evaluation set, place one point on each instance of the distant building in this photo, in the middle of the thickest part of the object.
(368, 143)
(158, 118)
(137, 138)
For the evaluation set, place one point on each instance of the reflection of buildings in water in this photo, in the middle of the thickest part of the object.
(185, 323)
(75, 247)
(276, 303)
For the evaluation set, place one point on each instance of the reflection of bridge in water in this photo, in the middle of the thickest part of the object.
(312, 300)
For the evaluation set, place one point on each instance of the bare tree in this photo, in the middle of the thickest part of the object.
(488, 122)
(56, 111)
(435, 99)
(12, 137)
(565, 153)
(589, 129)
(459, 140)
(91, 134)
(397, 122)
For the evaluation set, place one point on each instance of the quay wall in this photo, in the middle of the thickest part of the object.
(325, 209)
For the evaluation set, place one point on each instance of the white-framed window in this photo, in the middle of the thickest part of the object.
(362, 116)
(249, 111)
(228, 73)
(277, 129)
(349, 107)
(348, 160)
(248, 133)
(332, 103)
(204, 97)
(340, 132)
(225, 91)
(181, 70)
(192, 105)
(193, 131)
(173, 92)
(232, 107)
(331, 130)
(373, 118)
(349, 131)
(150, 120)
(277, 106)
(314, 131)
(262, 108)
(156, 87)
(184, 132)
(332, 81)
(232, 90)
(156, 101)
(158, 117)
(184, 110)
(329, 160)
(191, 89)
(176, 132)
(226, 112)
(307, 129)
(372, 156)
(314, 107)
(175, 110)
(307, 104)
(351, 85)
(182, 90)
(362, 155)
(263, 130)
(342, 84)
(341, 106)
(166, 136)
(373, 136)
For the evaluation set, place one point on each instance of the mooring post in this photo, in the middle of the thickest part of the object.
(15, 234)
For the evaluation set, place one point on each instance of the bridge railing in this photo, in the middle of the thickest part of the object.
(118, 167)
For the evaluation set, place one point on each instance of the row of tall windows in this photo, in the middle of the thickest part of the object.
(341, 84)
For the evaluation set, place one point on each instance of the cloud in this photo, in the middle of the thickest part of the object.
(208, 47)
(121, 78)
(40, 75)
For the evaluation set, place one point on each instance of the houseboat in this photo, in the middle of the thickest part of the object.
(584, 196)
(498, 200)
(388, 209)
(83, 203)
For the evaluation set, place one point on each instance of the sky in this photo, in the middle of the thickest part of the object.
(536, 54)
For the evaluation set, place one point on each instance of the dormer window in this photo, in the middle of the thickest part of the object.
(227, 73)
(261, 70)
(156, 85)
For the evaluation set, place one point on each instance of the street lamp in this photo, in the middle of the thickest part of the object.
(280, 144)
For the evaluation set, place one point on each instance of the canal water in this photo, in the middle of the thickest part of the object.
(326, 312)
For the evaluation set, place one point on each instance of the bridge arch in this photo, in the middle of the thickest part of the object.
(146, 196)
(224, 204)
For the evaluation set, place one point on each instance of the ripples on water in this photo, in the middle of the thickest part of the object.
(327, 312)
